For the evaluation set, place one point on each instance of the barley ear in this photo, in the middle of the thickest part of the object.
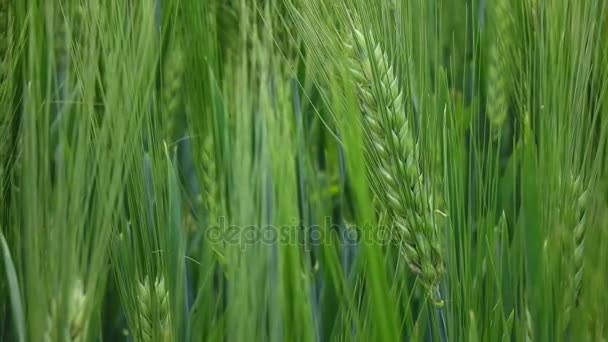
(576, 243)
(171, 92)
(78, 322)
(153, 311)
(50, 333)
(209, 179)
(392, 158)
(579, 239)
(75, 328)
(497, 81)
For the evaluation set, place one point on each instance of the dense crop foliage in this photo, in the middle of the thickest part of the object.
(303, 170)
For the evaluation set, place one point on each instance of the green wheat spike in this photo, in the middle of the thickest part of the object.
(393, 160)
(75, 327)
(576, 242)
(497, 80)
(154, 311)
(172, 92)
(209, 181)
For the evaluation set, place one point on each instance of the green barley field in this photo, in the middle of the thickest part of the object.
(303, 170)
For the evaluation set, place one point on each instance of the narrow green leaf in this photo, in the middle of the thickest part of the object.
(15, 294)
